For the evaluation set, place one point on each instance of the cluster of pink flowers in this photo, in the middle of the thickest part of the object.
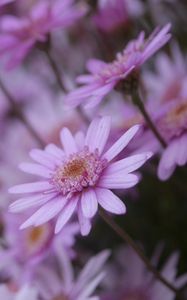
(93, 148)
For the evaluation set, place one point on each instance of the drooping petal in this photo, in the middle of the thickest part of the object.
(98, 133)
(68, 141)
(85, 224)
(118, 180)
(33, 187)
(121, 143)
(110, 202)
(89, 203)
(167, 163)
(66, 213)
(181, 159)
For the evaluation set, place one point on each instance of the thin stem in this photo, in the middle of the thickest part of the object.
(60, 82)
(124, 235)
(138, 102)
(19, 114)
(55, 69)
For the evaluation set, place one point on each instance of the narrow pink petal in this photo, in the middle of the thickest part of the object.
(85, 79)
(55, 151)
(182, 151)
(85, 224)
(128, 164)
(45, 213)
(118, 181)
(121, 143)
(95, 65)
(43, 158)
(167, 163)
(33, 187)
(66, 213)
(89, 203)
(68, 142)
(110, 202)
(35, 169)
(98, 133)
(30, 201)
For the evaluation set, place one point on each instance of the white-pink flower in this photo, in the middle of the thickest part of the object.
(79, 177)
(104, 76)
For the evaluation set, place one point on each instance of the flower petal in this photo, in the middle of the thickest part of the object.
(35, 169)
(89, 203)
(110, 202)
(68, 141)
(167, 162)
(30, 201)
(128, 164)
(121, 143)
(33, 187)
(66, 213)
(118, 181)
(85, 224)
(98, 133)
(46, 212)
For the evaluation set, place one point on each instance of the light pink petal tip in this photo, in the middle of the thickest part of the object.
(89, 204)
(110, 202)
(68, 141)
(98, 133)
(121, 143)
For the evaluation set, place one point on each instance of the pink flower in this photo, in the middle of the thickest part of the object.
(135, 282)
(63, 284)
(79, 177)
(105, 76)
(115, 13)
(19, 35)
(3, 2)
(172, 124)
(24, 292)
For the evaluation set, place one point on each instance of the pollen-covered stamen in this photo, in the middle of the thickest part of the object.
(174, 122)
(81, 170)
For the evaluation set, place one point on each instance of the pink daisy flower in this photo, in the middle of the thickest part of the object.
(25, 292)
(19, 35)
(79, 177)
(105, 76)
(172, 124)
(136, 282)
(112, 14)
(63, 285)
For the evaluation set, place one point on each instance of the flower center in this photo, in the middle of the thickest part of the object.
(60, 297)
(81, 170)
(37, 238)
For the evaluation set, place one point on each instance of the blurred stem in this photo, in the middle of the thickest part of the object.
(139, 103)
(57, 75)
(124, 235)
(16, 108)
(55, 69)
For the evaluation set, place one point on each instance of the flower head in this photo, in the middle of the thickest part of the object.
(173, 126)
(65, 286)
(78, 177)
(105, 76)
(135, 282)
(19, 35)
(112, 14)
